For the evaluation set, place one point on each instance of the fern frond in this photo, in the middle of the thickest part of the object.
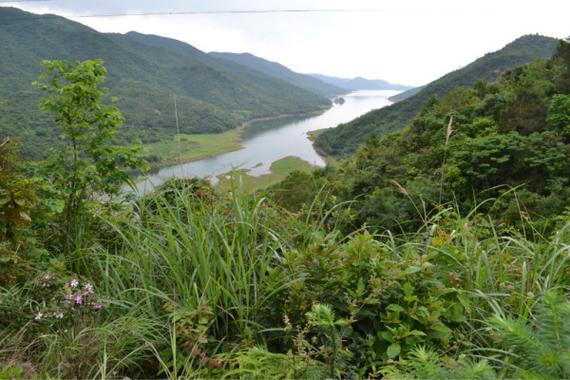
(518, 335)
(553, 321)
(544, 351)
(476, 370)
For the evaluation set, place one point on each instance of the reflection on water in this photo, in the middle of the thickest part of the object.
(268, 141)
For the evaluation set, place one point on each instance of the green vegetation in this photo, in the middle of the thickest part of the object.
(186, 148)
(440, 251)
(496, 139)
(144, 73)
(346, 138)
(87, 162)
(406, 94)
(276, 70)
(279, 170)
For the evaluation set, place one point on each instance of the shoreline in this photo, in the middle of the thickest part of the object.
(238, 144)
(312, 136)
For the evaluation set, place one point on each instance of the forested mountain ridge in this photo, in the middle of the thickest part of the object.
(279, 71)
(406, 94)
(212, 95)
(346, 138)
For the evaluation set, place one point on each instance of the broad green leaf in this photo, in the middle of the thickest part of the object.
(394, 350)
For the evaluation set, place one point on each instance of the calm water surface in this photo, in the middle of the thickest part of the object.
(268, 141)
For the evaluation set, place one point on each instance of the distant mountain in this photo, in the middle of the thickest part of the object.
(277, 70)
(360, 83)
(346, 138)
(144, 72)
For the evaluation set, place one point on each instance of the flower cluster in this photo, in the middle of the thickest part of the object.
(71, 299)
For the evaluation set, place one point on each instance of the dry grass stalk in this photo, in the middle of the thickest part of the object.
(449, 129)
(400, 188)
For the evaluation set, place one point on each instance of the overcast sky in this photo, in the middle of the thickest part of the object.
(406, 41)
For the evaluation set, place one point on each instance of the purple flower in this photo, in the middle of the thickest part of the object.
(74, 283)
(79, 298)
(38, 316)
(89, 288)
(97, 306)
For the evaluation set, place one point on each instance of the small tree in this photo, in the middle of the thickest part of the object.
(17, 199)
(88, 163)
(562, 56)
(17, 194)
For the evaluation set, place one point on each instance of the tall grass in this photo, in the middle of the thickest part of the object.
(202, 267)
(191, 281)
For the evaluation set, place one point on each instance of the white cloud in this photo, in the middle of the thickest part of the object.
(409, 41)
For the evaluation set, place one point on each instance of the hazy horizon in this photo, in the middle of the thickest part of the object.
(408, 44)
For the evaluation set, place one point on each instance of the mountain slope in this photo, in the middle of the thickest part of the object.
(406, 94)
(144, 72)
(360, 83)
(276, 70)
(346, 138)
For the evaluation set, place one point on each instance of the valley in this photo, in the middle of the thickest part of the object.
(266, 141)
(197, 206)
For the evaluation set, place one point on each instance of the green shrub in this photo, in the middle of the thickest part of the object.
(393, 299)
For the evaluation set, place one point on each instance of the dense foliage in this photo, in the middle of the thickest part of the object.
(144, 73)
(276, 70)
(483, 143)
(189, 282)
(346, 138)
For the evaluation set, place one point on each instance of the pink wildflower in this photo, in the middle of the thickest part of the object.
(38, 316)
(79, 298)
(74, 283)
(97, 306)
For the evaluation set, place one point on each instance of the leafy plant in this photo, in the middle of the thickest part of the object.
(539, 348)
(88, 162)
(17, 194)
(17, 200)
(391, 300)
(424, 363)
(322, 318)
(257, 364)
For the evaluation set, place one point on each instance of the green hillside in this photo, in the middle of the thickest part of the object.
(144, 72)
(279, 71)
(406, 94)
(346, 138)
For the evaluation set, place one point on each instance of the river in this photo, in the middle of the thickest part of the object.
(267, 141)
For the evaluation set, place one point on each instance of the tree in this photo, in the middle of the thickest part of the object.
(88, 163)
(558, 118)
(562, 57)
(17, 194)
(17, 199)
